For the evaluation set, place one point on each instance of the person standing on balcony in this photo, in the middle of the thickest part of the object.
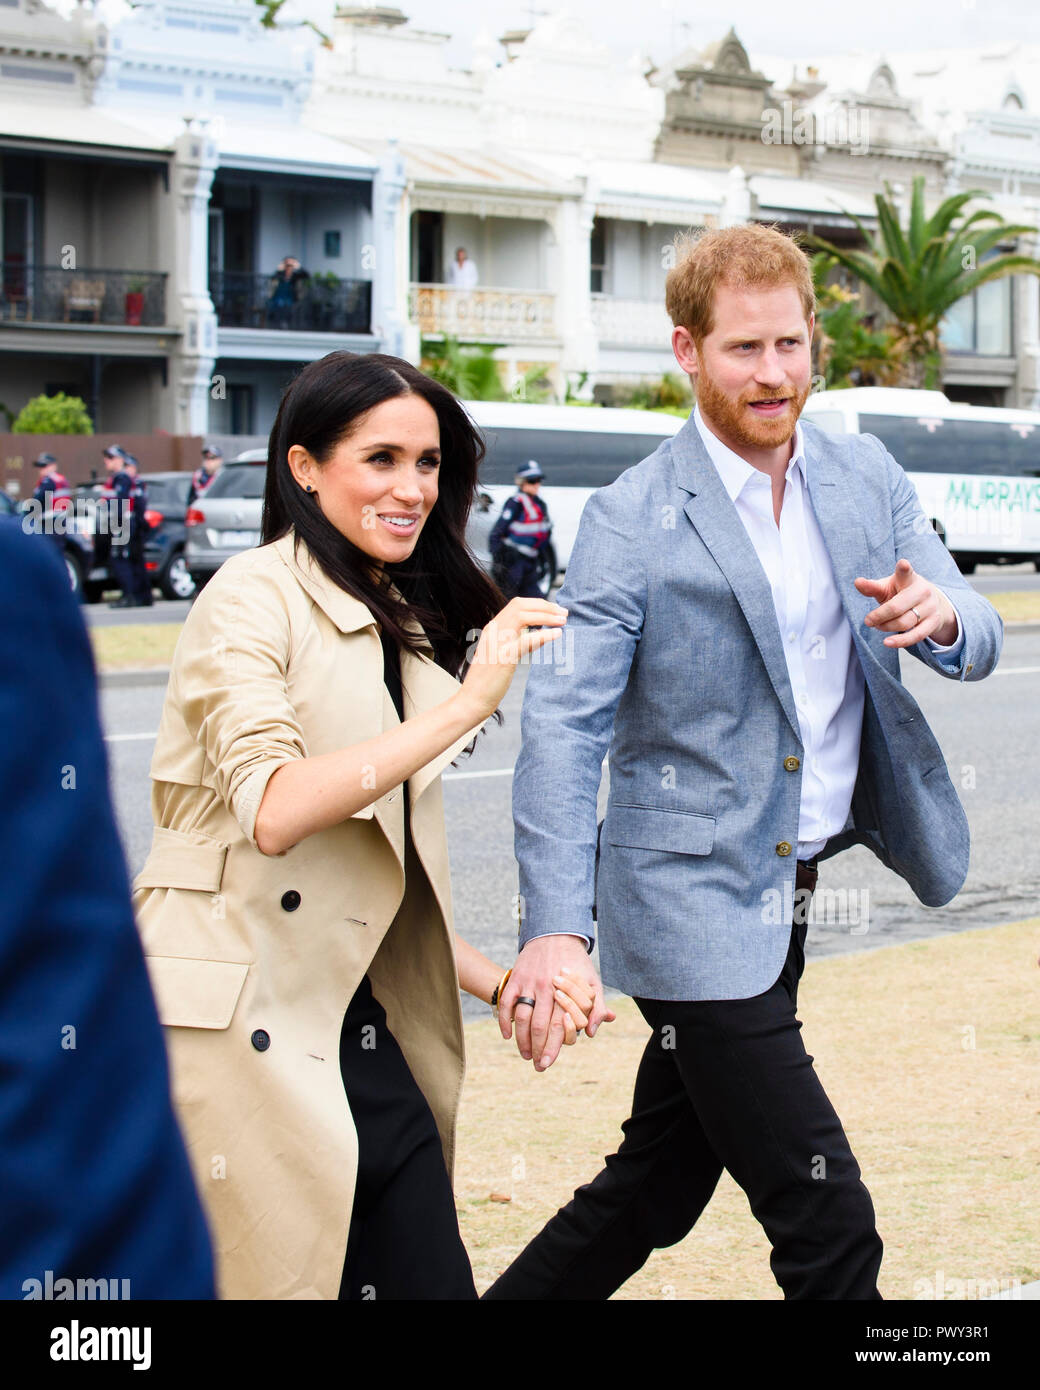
(212, 458)
(520, 537)
(463, 270)
(286, 284)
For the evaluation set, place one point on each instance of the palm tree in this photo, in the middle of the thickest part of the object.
(920, 273)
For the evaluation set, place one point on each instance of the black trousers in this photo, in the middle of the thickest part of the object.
(404, 1240)
(722, 1084)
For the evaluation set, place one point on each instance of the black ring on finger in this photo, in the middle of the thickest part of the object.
(523, 999)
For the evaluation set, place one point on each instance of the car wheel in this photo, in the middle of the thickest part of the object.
(74, 570)
(547, 570)
(966, 563)
(93, 593)
(177, 580)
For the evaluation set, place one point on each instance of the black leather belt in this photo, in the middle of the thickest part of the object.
(806, 874)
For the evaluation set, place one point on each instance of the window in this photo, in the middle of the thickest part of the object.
(981, 321)
(570, 458)
(597, 255)
(238, 480)
(958, 446)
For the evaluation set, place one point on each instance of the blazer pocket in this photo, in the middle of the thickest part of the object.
(649, 827)
(194, 993)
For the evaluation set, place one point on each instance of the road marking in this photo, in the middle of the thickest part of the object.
(491, 772)
(1016, 671)
(127, 738)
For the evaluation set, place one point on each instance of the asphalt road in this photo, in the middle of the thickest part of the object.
(989, 731)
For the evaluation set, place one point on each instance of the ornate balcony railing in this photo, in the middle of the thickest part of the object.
(631, 322)
(308, 304)
(498, 315)
(46, 294)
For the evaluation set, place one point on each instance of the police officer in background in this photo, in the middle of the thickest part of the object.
(53, 488)
(140, 585)
(212, 458)
(115, 501)
(520, 537)
(127, 497)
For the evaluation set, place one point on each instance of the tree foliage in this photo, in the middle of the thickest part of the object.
(921, 270)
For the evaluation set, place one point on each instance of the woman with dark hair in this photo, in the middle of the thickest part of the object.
(296, 904)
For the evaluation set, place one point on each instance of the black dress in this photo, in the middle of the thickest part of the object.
(404, 1240)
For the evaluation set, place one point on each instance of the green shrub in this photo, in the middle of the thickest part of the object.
(58, 414)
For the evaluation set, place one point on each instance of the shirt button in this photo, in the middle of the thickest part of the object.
(791, 636)
(783, 849)
(792, 764)
(261, 1040)
(803, 699)
(291, 900)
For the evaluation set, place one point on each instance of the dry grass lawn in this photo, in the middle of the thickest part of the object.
(931, 1055)
(134, 646)
(1018, 605)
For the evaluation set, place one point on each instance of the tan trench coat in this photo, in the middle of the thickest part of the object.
(275, 662)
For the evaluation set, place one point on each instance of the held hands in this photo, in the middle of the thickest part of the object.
(503, 643)
(911, 607)
(555, 972)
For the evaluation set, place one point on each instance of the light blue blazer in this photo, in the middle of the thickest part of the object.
(672, 660)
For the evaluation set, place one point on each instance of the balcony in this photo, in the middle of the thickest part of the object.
(495, 315)
(631, 323)
(318, 305)
(45, 295)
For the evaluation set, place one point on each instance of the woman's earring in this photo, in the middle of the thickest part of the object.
(309, 488)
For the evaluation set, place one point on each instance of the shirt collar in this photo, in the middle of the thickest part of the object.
(736, 472)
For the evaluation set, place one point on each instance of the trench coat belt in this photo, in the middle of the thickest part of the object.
(183, 859)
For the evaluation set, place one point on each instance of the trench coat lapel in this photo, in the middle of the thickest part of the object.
(715, 518)
(424, 683)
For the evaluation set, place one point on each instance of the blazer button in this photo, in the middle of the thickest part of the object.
(792, 764)
(783, 849)
(291, 900)
(261, 1040)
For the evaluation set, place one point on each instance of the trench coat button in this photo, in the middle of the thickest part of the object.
(969, 668)
(783, 849)
(792, 764)
(261, 1040)
(291, 900)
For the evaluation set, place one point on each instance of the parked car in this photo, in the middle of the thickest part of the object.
(165, 539)
(73, 532)
(226, 518)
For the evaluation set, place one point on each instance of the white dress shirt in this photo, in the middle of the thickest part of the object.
(822, 664)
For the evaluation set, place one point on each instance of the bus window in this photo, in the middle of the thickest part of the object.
(933, 445)
(569, 458)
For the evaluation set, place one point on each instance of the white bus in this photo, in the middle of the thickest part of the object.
(976, 469)
(578, 448)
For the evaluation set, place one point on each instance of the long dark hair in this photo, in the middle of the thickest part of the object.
(444, 588)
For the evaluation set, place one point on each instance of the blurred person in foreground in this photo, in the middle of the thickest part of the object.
(94, 1179)
(296, 903)
(737, 602)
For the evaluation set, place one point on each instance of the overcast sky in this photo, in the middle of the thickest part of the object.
(663, 28)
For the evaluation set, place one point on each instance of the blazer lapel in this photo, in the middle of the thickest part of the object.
(715, 518)
(839, 516)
